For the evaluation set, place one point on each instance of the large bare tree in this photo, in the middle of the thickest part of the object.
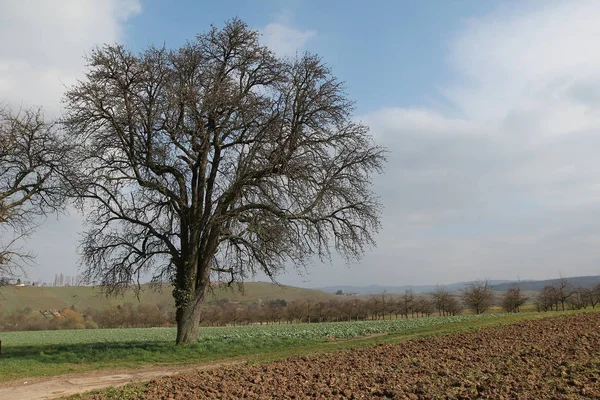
(33, 166)
(217, 160)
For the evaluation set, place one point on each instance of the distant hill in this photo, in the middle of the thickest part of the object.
(583, 281)
(378, 289)
(49, 298)
(497, 285)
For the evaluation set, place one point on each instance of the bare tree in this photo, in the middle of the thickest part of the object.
(408, 301)
(594, 295)
(214, 161)
(294, 311)
(424, 306)
(375, 307)
(385, 305)
(580, 299)
(452, 306)
(478, 296)
(33, 166)
(513, 299)
(444, 302)
(547, 299)
(563, 291)
(439, 298)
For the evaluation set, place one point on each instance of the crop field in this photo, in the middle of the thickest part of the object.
(301, 331)
(545, 358)
(56, 352)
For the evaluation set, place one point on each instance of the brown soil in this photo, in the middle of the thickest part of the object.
(550, 358)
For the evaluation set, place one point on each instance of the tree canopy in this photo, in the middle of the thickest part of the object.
(33, 168)
(217, 160)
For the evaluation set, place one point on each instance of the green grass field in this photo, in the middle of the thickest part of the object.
(57, 352)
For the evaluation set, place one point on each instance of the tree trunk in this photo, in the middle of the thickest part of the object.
(188, 320)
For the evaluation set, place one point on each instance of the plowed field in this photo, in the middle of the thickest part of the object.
(550, 358)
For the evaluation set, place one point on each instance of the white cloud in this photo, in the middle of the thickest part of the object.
(425, 121)
(520, 58)
(285, 40)
(502, 190)
(42, 44)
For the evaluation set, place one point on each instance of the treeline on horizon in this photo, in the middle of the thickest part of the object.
(476, 298)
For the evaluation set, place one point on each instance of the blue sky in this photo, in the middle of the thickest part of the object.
(490, 111)
(388, 53)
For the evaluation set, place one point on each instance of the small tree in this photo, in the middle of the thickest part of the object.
(71, 320)
(452, 306)
(424, 307)
(440, 299)
(580, 298)
(594, 294)
(295, 311)
(444, 302)
(563, 291)
(547, 299)
(215, 161)
(513, 299)
(275, 309)
(478, 296)
(408, 302)
(385, 305)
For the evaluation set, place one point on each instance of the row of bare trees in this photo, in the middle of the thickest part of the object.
(121, 316)
(221, 313)
(476, 297)
(562, 295)
(479, 297)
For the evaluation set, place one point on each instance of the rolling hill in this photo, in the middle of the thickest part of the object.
(378, 289)
(497, 285)
(81, 297)
(577, 281)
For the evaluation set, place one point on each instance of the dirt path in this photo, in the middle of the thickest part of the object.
(66, 385)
